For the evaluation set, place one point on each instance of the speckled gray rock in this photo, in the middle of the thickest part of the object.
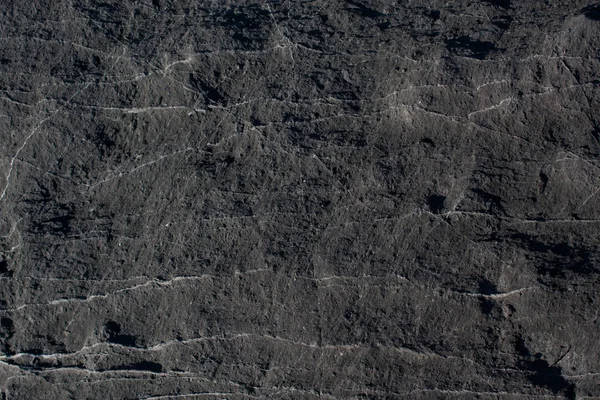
(299, 199)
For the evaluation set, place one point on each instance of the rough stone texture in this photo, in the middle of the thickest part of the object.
(299, 199)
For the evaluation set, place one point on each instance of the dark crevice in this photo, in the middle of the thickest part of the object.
(468, 47)
(543, 183)
(502, 22)
(558, 257)
(114, 335)
(542, 374)
(4, 269)
(436, 203)
(592, 12)
(486, 287)
(493, 202)
(141, 366)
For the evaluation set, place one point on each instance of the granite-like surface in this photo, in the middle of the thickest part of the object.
(299, 199)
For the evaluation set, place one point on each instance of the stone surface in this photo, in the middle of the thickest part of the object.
(299, 199)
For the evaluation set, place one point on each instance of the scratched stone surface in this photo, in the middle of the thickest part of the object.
(299, 199)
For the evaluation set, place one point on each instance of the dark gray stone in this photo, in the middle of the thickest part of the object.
(299, 199)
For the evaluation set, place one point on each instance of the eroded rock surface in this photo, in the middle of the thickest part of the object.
(299, 199)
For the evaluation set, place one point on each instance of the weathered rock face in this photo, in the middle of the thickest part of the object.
(307, 199)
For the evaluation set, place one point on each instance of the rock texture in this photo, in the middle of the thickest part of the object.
(299, 199)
